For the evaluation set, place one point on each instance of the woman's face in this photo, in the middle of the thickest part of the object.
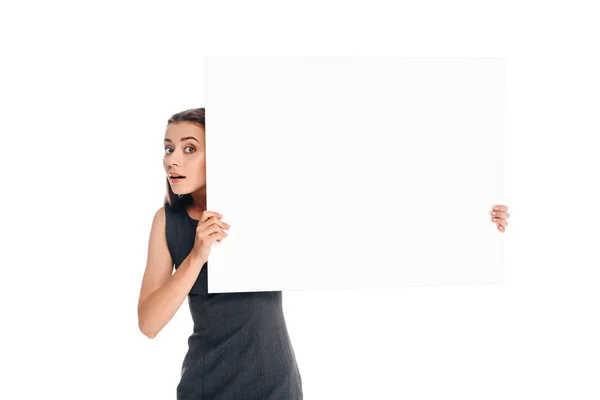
(184, 155)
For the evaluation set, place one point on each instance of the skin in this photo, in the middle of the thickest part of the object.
(162, 291)
(188, 158)
(499, 216)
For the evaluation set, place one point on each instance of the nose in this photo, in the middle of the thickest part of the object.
(174, 160)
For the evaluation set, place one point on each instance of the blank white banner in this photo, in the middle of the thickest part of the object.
(349, 172)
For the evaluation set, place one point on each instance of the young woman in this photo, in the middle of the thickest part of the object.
(240, 347)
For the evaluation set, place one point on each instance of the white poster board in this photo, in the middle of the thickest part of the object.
(349, 172)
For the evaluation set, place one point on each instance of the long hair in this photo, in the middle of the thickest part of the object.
(196, 116)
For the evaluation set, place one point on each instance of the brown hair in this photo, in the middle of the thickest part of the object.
(196, 116)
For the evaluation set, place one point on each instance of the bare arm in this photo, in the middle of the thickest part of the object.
(162, 292)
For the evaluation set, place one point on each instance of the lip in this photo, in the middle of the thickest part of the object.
(175, 180)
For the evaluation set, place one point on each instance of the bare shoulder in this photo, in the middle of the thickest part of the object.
(158, 237)
(160, 216)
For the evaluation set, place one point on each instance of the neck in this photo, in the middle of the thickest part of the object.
(199, 199)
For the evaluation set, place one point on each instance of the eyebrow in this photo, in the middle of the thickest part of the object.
(182, 139)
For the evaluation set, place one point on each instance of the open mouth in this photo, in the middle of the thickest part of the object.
(176, 179)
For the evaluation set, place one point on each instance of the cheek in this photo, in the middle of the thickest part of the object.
(199, 168)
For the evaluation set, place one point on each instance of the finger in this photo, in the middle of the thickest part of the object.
(220, 224)
(215, 229)
(500, 214)
(208, 231)
(210, 221)
(217, 221)
(214, 238)
(500, 228)
(224, 224)
(209, 214)
(220, 231)
(217, 236)
(500, 207)
(500, 221)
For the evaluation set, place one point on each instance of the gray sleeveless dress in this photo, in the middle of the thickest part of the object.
(240, 347)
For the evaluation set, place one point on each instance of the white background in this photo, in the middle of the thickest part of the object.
(311, 143)
(86, 90)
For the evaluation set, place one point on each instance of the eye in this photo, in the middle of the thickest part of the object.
(188, 147)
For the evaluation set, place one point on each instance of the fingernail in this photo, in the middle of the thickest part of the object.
(493, 213)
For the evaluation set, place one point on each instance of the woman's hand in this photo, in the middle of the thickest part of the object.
(210, 228)
(499, 216)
